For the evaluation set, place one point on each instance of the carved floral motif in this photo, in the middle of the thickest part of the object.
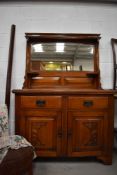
(93, 130)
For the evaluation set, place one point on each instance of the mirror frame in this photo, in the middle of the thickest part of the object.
(57, 37)
(34, 38)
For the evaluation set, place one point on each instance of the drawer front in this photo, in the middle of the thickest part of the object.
(41, 101)
(85, 102)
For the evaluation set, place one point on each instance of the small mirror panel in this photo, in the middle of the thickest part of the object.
(62, 56)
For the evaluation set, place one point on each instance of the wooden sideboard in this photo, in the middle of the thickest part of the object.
(62, 109)
(67, 123)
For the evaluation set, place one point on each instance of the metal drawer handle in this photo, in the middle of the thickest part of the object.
(88, 103)
(40, 103)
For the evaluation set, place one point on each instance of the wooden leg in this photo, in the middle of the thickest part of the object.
(106, 160)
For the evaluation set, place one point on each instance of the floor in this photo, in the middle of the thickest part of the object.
(74, 167)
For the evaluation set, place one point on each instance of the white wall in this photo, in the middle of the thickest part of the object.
(62, 17)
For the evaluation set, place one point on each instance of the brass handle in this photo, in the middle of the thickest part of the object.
(40, 103)
(88, 103)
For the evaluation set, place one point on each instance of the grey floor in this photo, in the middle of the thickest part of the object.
(79, 167)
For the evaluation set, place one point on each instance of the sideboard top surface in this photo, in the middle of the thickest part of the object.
(64, 91)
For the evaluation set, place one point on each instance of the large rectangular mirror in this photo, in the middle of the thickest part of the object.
(62, 56)
(62, 52)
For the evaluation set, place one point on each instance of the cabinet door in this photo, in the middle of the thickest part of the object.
(86, 133)
(43, 130)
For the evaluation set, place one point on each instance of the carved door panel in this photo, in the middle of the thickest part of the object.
(86, 132)
(43, 130)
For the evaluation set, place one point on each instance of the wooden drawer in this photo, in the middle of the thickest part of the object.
(41, 101)
(86, 102)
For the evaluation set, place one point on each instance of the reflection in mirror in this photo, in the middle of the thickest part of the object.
(65, 56)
